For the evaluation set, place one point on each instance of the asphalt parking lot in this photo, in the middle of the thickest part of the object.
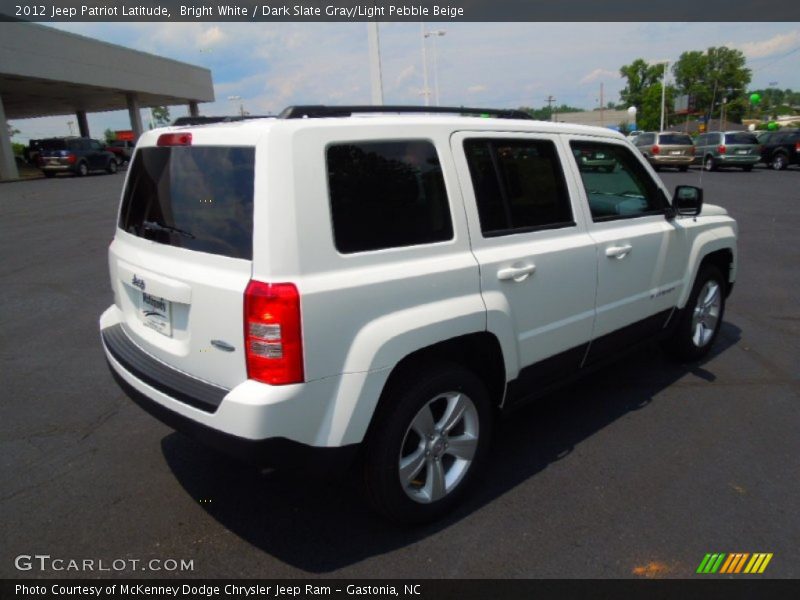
(636, 471)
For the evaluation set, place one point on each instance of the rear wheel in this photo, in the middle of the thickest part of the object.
(699, 322)
(427, 443)
(779, 162)
(112, 166)
(747, 168)
(710, 164)
(49, 174)
(683, 168)
(82, 170)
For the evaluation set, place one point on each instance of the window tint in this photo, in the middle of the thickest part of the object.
(621, 188)
(646, 139)
(519, 185)
(387, 195)
(674, 139)
(740, 138)
(196, 197)
(95, 145)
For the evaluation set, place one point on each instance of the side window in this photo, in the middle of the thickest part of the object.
(519, 185)
(387, 195)
(701, 140)
(95, 145)
(619, 186)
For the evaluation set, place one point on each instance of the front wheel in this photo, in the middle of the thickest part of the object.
(428, 441)
(779, 162)
(699, 322)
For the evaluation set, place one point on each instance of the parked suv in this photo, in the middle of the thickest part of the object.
(666, 149)
(121, 149)
(329, 289)
(779, 149)
(74, 155)
(727, 149)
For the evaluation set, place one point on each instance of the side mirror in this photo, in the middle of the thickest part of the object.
(688, 200)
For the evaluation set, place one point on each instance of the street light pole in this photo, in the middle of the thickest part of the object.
(663, 94)
(376, 78)
(434, 35)
(425, 91)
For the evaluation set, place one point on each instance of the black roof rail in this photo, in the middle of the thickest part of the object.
(321, 111)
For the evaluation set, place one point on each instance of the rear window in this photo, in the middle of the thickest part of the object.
(198, 198)
(53, 144)
(387, 195)
(740, 138)
(675, 139)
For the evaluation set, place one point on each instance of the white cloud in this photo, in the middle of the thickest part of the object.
(780, 42)
(598, 74)
(210, 37)
(477, 89)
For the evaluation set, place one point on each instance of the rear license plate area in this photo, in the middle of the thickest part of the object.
(156, 313)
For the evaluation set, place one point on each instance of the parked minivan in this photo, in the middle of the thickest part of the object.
(666, 149)
(727, 149)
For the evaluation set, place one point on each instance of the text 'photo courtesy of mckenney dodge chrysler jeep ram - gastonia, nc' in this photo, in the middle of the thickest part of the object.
(371, 291)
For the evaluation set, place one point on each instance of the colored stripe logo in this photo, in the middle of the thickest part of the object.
(735, 563)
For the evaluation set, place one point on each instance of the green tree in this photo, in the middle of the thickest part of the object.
(160, 116)
(546, 112)
(640, 76)
(649, 115)
(12, 131)
(710, 76)
(109, 135)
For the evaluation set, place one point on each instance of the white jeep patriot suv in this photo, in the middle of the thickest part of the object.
(331, 285)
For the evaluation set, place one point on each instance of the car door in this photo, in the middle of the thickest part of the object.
(538, 266)
(640, 253)
(97, 155)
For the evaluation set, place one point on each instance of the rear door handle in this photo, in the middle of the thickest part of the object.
(618, 252)
(517, 274)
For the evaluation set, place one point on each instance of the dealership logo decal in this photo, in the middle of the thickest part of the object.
(735, 563)
(139, 283)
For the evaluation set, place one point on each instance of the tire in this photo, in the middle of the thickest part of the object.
(408, 444)
(709, 164)
(699, 322)
(49, 174)
(82, 170)
(779, 162)
(112, 166)
(747, 168)
(683, 168)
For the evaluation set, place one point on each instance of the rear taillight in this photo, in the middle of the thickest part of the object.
(175, 139)
(692, 151)
(272, 333)
(656, 149)
(797, 147)
(722, 149)
(71, 158)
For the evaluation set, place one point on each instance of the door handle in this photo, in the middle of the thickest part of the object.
(618, 252)
(517, 274)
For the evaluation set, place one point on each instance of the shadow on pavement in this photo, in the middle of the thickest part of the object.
(323, 526)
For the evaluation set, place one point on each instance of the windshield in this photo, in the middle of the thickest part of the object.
(198, 198)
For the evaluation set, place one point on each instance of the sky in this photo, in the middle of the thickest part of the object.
(273, 65)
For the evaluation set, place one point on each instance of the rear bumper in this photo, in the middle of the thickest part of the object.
(671, 160)
(277, 426)
(274, 452)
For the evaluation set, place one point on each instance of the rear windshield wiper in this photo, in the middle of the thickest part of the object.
(156, 226)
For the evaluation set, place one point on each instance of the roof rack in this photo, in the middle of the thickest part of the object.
(321, 111)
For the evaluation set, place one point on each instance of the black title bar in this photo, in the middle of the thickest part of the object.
(380, 10)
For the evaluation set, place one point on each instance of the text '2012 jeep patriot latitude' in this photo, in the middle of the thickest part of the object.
(379, 287)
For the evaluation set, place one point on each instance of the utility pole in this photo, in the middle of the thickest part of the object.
(376, 78)
(602, 106)
(550, 100)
